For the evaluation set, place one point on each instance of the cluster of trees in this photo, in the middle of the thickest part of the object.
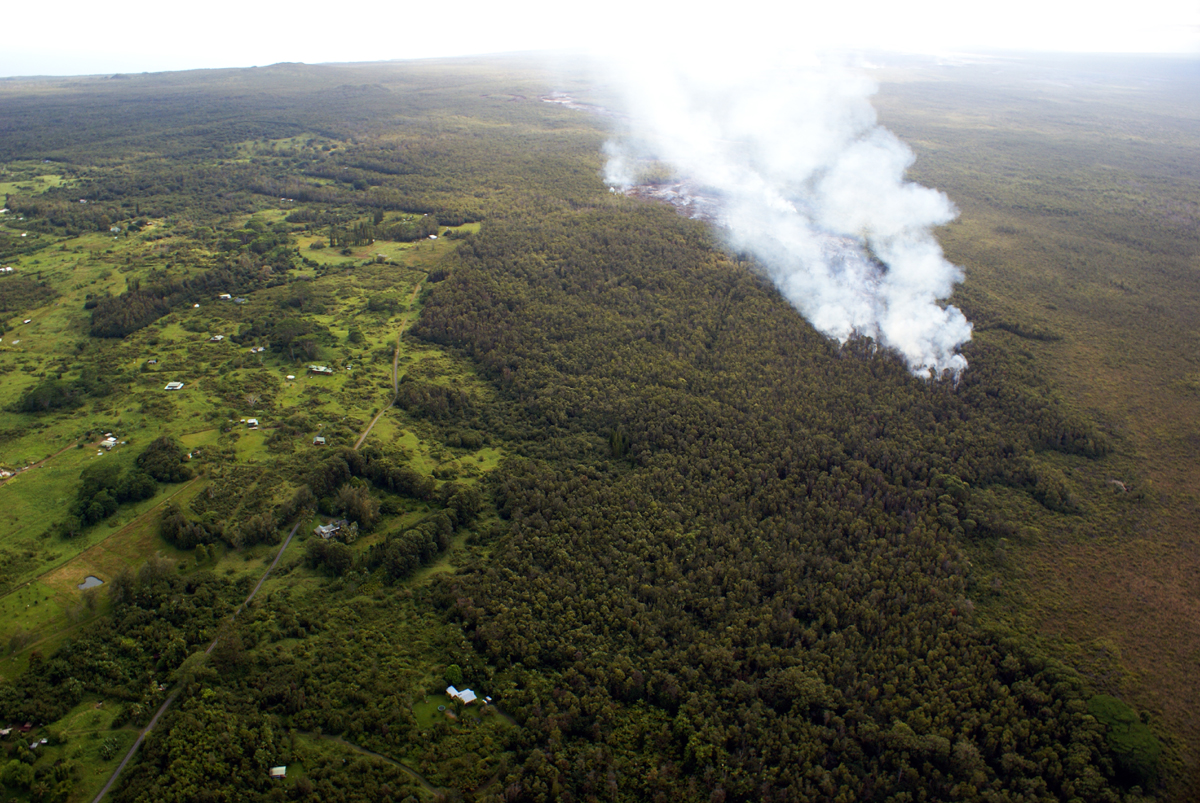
(195, 759)
(269, 243)
(139, 306)
(64, 394)
(180, 531)
(107, 485)
(433, 401)
(385, 470)
(164, 460)
(59, 211)
(401, 231)
(737, 544)
(401, 553)
(158, 619)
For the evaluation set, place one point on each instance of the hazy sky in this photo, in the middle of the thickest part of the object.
(71, 37)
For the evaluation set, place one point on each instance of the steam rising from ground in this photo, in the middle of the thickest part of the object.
(790, 161)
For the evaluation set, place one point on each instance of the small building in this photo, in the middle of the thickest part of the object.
(318, 441)
(322, 370)
(252, 423)
(278, 772)
(466, 696)
(109, 443)
(174, 386)
(216, 338)
(291, 377)
(151, 362)
(225, 297)
(240, 300)
(331, 529)
(7, 269)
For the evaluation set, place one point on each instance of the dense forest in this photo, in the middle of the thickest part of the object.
(694, 549)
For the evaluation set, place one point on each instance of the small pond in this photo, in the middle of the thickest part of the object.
(91, 581)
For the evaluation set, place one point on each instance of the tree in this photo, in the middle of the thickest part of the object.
(17, 775)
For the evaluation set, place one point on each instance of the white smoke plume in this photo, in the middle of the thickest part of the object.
(792, 164)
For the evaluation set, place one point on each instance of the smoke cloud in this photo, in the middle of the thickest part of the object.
(790, 161)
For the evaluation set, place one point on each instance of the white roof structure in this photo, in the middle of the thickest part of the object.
(466, 696)
(278, 772)
(174, 386)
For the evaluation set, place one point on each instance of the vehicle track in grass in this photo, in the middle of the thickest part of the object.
(395, 372)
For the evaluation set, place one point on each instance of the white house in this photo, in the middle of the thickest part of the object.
(331, 529)
(466, 696)
(174, 386)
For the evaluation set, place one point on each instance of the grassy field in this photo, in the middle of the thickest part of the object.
(208, 414)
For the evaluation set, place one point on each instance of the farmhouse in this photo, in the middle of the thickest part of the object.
(109, 442)
(174, 386)
(322, 370)
(318, 441)
(7, 269)
(466, 696)
(278, 772)
(216, 338)
(252, 423)
(225, 297)
(331, 529)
